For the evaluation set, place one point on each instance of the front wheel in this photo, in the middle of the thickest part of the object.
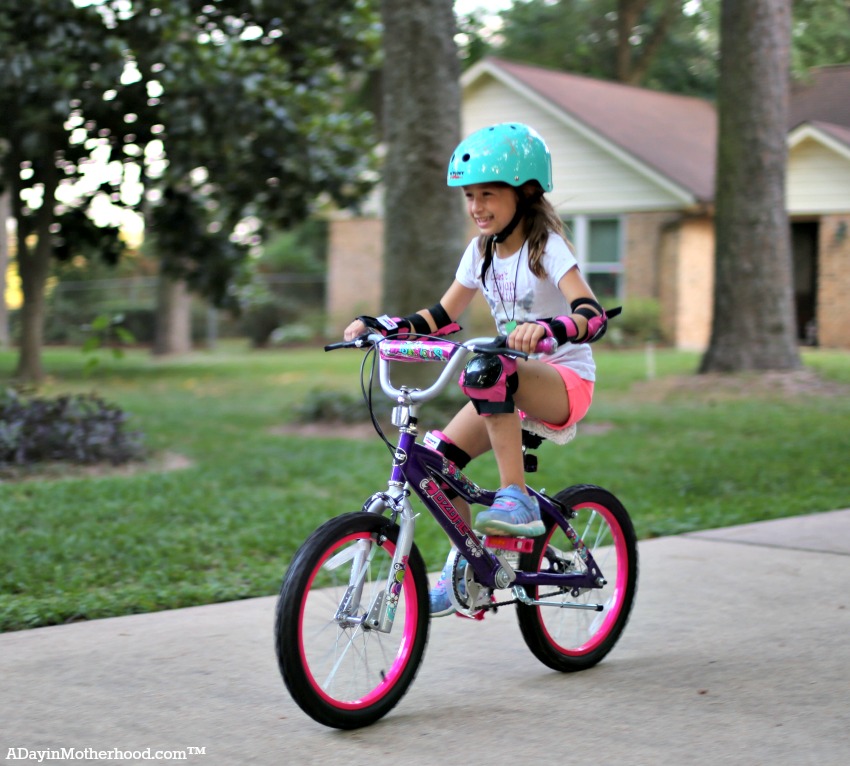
(340, 671)
(568, 639)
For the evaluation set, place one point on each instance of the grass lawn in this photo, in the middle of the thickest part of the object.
(683, 452)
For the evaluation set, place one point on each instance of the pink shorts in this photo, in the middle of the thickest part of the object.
(580, 392)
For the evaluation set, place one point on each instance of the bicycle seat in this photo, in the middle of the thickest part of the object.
(531, 440)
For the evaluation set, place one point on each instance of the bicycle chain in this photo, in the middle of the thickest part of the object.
(490, 606)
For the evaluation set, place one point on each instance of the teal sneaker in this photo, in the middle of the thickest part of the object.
(513, 513)
(441, 601)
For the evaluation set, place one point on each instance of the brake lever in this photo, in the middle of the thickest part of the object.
(361, 341)
(545, 346)
(499, 348)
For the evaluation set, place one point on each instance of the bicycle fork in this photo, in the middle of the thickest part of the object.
(381, 612)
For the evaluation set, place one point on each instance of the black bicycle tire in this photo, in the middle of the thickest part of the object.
(293, 593)
(529, 617)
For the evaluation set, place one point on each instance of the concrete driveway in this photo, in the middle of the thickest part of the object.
(738, 652)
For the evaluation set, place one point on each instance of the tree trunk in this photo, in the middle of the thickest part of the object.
(424, 219)
(34, 268)
(753, 324)
(173, 317)
(4, 268)
(628, 14)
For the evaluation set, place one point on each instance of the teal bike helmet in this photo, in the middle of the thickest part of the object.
(510, 153)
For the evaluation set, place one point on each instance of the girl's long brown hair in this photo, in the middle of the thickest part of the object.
(540, 220)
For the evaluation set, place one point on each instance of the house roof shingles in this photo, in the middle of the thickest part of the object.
(672, 134)
(823, 97)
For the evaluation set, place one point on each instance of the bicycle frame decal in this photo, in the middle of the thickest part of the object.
(578, 544)
(430, 488)
(395, 588)
(452, 472)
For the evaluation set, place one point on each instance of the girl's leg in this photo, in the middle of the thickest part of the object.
(541, 392)
(468, 430)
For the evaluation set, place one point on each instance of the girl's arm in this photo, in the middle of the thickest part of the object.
(574, 287)
(453, 303)
(586, 323)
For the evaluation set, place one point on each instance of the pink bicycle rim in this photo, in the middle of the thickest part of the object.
(619, 587)
(402, 655)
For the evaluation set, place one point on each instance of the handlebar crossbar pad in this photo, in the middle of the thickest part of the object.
(417, 350)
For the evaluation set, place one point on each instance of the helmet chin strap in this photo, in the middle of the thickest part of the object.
(521, 208)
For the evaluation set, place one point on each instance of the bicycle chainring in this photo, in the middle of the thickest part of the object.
(478, 597)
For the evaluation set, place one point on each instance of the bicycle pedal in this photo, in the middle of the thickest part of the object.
(479, 615)
(503, 543)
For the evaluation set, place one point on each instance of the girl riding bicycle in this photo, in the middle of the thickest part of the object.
(526, 271)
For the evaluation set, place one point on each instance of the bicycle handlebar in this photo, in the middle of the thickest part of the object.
(433, 350)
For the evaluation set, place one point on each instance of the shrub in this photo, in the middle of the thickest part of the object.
(260, 320)
(78, 429)
(323, 406)
(639, 323)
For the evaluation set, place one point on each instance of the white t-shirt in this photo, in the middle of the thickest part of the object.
(513, 292)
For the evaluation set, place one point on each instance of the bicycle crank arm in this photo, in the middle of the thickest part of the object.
(524, 598)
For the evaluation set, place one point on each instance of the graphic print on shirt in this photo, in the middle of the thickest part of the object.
(504, 305)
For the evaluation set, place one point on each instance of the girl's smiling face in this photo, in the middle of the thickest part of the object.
(491, 206)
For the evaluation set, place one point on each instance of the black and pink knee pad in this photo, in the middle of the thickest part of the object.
(490, 382)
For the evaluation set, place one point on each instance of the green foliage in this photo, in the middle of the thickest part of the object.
(287, 286)
(256, 123)
(301, 250)
(78, 429)
(323, 406)
(233, 115)
(639, 323)
(106, 331)
(581, 36)
(820, 34)
(261, 318)
(56, 64)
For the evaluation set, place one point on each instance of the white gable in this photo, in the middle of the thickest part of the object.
(818, 179)
(590, 176)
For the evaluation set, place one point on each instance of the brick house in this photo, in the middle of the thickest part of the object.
(634, 181)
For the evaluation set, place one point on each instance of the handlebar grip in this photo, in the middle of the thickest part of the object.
(335, 346)
(368, 339)
(546, 346)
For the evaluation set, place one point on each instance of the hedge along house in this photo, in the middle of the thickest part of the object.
(634, 182)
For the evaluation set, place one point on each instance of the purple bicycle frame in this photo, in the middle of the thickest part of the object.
(427, 472)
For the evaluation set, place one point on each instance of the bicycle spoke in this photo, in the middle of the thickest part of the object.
(572, 639)
(342, 672)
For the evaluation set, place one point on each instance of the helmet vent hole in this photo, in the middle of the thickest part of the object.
(465, 158)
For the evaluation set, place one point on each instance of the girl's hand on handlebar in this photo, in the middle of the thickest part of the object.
(355, 330)
(526, 337)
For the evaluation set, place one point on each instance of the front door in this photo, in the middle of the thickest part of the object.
(804, 245)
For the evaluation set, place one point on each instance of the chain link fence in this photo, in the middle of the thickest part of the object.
(276, 308)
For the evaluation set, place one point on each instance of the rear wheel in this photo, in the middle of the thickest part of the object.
(569, 639)
(341, 672)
